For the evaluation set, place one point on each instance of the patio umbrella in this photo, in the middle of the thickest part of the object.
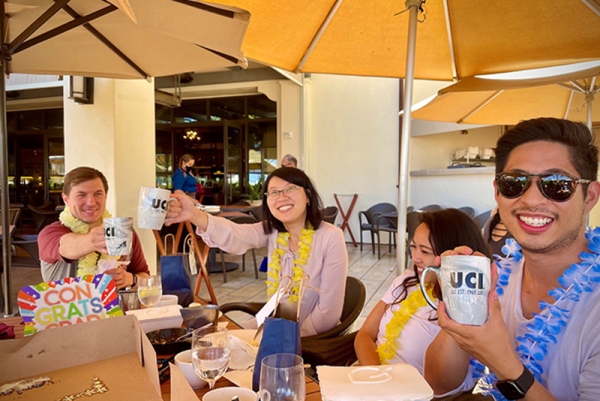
(98, 39)
(478, 100)
(457, 38)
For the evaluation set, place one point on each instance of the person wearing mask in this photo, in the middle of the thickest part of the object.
(402, 324)
(183, 178)
(299, 244)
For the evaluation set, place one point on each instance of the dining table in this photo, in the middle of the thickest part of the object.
(313, 391)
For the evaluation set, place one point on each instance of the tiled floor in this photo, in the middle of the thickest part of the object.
(377, 275)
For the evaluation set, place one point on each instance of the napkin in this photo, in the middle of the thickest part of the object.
(241, 378)
(398, 382)
(7, 332)
(243, 355)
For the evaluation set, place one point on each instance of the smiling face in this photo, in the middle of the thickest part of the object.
(541, 225)
(421, 250)
(87, 201)
(288, 207)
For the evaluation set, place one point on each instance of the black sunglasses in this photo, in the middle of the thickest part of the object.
(554, 186)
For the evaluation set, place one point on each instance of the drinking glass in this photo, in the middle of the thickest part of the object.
(282, 378)
(149, 290)
(211, 353)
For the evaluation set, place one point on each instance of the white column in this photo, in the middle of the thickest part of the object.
(116, 135)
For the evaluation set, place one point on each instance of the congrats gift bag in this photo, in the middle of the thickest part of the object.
(280, 335)
(175, 274)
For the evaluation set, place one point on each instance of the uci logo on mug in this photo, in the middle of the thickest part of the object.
(465, 282)
(152, 207)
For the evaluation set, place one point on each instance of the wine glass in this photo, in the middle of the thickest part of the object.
(282, 378)
(149, 290)
(211, 353)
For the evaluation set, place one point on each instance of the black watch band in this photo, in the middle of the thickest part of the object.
(516, 389)
(134, 280)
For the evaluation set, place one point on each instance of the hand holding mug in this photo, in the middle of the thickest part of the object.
(98, 240)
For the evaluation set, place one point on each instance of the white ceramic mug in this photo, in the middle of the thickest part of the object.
(465, 281)
(184, 361)
(118, 234)
(152, 207)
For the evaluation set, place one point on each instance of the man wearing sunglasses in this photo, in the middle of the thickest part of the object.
(545, 186)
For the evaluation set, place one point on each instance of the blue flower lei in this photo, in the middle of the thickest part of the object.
(546, 326)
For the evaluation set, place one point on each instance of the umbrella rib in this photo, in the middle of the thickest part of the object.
(35, 25)
(107, 43)
(19, 47)
(450, 42)
(206, 7)
(480, 106)
(318, 35)
(569, 105)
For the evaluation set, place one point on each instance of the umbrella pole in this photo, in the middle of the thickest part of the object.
(413, 6)
(5, 202)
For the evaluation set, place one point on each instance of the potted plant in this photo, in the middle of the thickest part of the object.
(255, 193)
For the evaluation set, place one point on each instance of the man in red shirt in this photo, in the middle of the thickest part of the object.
(77, 240)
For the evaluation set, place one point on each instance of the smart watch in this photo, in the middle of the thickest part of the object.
(516, 389)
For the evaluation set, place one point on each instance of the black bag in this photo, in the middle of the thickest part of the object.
(280, 336)
(175, 274)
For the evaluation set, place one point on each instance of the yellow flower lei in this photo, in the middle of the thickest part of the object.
(408, 307)
(88, 264)
(274, 273)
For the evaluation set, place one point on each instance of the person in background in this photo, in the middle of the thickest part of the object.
(299, 243)
(289, 161)
(402, 324)
(542, 337)
(183, 178)
(78, 237)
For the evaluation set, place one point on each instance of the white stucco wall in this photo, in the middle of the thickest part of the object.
(353, 143)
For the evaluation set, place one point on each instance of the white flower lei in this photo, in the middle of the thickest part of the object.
(552, 319)
(87, 264)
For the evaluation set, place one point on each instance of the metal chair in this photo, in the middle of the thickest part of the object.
(248, 219)
(468, 210)
(42, 217)
(330, 213)
(27, 243)
(431, 208)
(481, 219)
(386, 223)
(370, 216)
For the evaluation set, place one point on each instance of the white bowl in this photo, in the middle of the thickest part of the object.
(226, 393)
(166, 300)
(183, 360)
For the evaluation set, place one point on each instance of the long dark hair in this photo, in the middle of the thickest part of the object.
(313, 208)
(448, 229)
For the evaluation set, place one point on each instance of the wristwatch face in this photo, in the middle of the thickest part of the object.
(510, 390)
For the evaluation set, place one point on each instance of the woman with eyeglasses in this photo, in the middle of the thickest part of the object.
(402, 325)
(299, 244)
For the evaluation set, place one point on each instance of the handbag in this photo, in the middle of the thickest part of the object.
(175, 273)
(280, 335)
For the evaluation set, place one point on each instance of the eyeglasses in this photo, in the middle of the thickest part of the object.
(554, 186)
(289, 191)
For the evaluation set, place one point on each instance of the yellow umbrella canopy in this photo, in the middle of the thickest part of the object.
(476, 100)
(98, 39)
(457, 38)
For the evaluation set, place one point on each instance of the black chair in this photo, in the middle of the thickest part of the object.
(468, 210)
(256, 211)
(481, 219)
(247, 219)
(386, 223)
(28, 244)
(330, 214)
(354, 300)
(370, 218)
(431, 208)
(42, 217)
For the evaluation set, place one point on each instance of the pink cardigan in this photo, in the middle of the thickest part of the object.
(327, 266)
